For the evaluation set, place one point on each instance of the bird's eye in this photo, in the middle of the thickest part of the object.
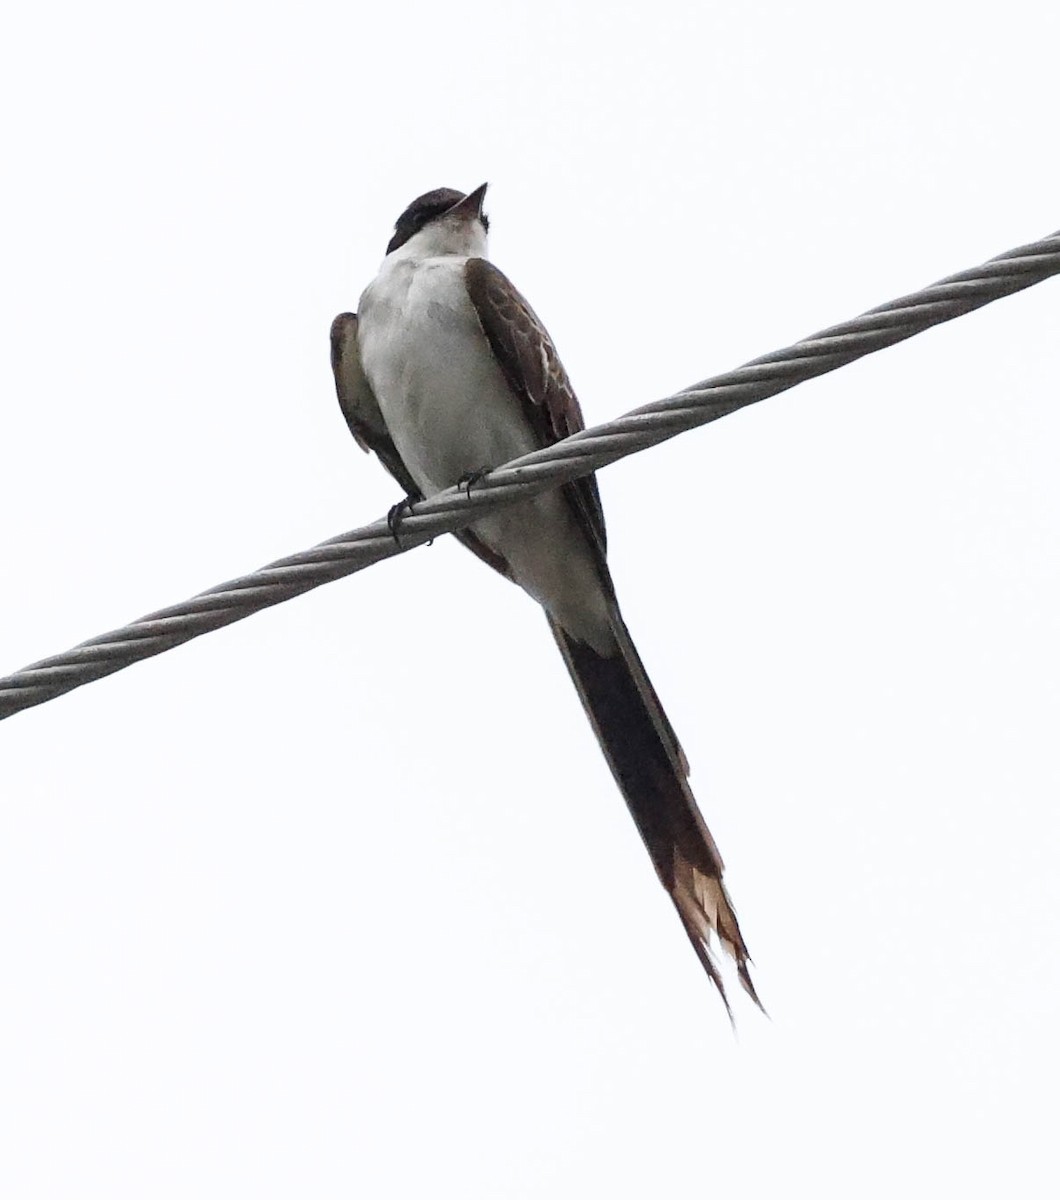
(485, 222)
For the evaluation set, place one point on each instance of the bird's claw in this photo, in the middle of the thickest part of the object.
(468, 481)
(397, 515)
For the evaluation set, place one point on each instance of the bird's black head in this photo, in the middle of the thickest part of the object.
(424, 209)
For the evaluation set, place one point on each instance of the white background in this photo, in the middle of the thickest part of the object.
(342, 901)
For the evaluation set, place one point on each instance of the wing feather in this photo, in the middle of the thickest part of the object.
(527, 356)
(359, 405)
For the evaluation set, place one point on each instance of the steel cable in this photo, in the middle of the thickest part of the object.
(577, 455)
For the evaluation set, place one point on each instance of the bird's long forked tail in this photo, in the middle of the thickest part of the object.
(652, 773)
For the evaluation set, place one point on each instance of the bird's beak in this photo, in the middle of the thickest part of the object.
(471, 205)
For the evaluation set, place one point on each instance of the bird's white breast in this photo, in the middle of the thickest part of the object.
(450, 412)
(443, 396)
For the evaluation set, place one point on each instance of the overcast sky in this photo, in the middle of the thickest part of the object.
(342, 900)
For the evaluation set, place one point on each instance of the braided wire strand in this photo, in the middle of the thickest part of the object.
(577, 455)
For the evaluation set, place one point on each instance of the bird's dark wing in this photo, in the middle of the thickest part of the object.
(525, 352)
(365, 419)
(359, 405)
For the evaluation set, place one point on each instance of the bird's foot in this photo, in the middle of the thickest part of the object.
(468, 481)
(397, 515)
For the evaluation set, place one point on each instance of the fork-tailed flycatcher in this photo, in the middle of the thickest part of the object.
(445, 371)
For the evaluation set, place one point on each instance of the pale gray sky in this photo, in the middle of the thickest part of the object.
(342, 900)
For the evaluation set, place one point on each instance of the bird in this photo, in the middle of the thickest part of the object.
(444, 372)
